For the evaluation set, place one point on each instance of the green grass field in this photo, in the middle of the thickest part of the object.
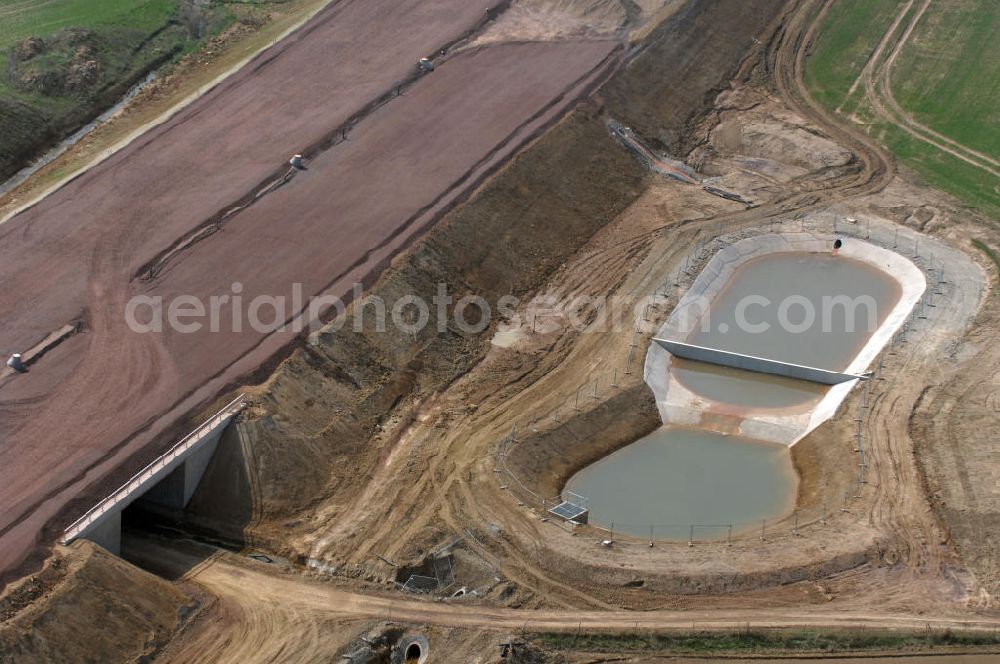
(946, 76)
(20, 19)
(847, 39)
(62, 62)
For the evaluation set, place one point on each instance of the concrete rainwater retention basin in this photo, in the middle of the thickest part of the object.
(722, 459)
(676, 479)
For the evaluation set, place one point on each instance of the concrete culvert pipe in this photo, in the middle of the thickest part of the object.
(411, 649)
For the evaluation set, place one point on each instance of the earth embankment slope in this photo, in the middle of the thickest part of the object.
(337, 409)
(665, 89)
(52, 616)
(77, 256)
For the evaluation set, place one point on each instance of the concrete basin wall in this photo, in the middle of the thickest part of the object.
(679, 405)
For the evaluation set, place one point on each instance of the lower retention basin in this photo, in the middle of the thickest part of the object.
(676, 478)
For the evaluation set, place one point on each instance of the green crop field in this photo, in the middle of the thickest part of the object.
(948, 73)
(62, 62)
(20, 19)
(761, 641)
(846, 41)
(946, 77)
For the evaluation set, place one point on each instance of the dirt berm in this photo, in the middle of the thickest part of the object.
(336, 407)
(86, 605)
(684, 64)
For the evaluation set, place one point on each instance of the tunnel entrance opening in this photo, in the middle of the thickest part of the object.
(159, 541)
(146, 532)
(412, 654)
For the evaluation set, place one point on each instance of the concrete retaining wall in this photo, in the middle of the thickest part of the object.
(726, 358)
(175, 490)
(169, 480)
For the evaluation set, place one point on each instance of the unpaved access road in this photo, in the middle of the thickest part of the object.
(278, 614)
(85, 415)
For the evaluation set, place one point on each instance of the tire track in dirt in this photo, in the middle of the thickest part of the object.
(438, 491)
(571, 75)
(785, 55)
(281, 613)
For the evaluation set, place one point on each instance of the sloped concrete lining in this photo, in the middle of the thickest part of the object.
(750, 363)
(679, 405)
(170, 480)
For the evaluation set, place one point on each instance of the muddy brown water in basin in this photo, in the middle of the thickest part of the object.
(676, 477)
(746, 389)
(762, 310)
(848, 300)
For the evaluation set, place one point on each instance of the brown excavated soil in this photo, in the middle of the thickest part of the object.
(265, 615)
(87, 605)
(413, 459)
(955, 425)
(331, 410)
(364, 451)
(331, 415)
(73, 423)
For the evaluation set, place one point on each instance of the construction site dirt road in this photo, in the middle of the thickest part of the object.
(437, 466)
(261, 615)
